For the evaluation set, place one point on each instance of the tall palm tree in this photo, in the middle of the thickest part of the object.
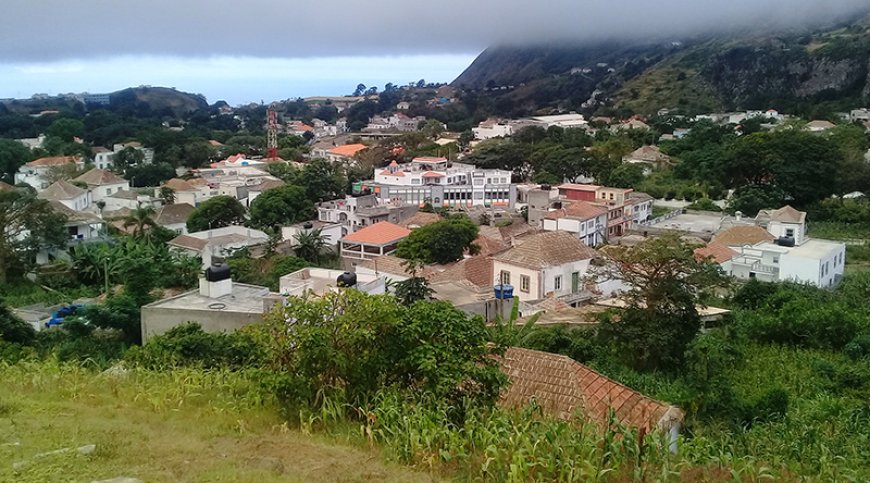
(141, 219)
(311, 245)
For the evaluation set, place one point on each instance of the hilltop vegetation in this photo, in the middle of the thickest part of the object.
(793, 71)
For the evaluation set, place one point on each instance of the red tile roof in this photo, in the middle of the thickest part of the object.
(717, 251)
(578, 187)
(421, 218)
(548, 249)
(100, 177)
(563, 387)
(475, 270)
(787, 214)
(579, 210)
(387, 172)
(189, 242)
(347, 150)
(738, 236)
(382, 233)
(430, 159)
(432, 174)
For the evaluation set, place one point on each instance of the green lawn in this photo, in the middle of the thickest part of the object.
(178, 426)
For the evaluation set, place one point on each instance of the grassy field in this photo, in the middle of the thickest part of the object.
(178, 426)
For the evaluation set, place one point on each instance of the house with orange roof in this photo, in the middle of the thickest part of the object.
(372, 241)
(344, 153)
(36, 172)
(563, 388)
(585, 220)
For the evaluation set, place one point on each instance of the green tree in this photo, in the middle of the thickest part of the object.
(444, 241)
(142, 220)
(311, 245)
(167, 194)
(13, 155)
(414, 288)
(149, 174)
(281, 206)
(664, 285)
(66, 129)
(216, 212)
(127, 157)
(28, 224)
(626, 175)
(355, 344)
(322, 180)
(197, 154)
(13, 329)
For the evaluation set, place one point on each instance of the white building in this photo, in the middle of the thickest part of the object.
(440, 183)
(493, 128)
(355, 212)
(331, 232)
(67, 194)
(791, 256)
(321, 281)
(859, 115)
(103, 184)
(565, 121)
(582, 219)
(372, 242)
(147, 153)
(36, 173)
(81, 227)
(545, 264)
(103, 158)
(219, 242)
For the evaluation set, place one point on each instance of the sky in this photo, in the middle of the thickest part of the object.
(252, 50)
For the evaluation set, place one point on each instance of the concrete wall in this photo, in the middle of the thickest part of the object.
(535, 291)
(779, 229)
(565, 271)
(158, 320)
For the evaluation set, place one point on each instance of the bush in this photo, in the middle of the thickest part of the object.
(14, 330)
(704, 204)
(188, 345)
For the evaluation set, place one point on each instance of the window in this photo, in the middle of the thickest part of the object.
(789, 232)
(775, 259)
(505, 277)
(415, 181)
(525, 283)
(557, 283)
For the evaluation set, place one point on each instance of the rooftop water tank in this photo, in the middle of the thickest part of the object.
(346, 279)
(504, 291)
(785, 241)
(217, 272)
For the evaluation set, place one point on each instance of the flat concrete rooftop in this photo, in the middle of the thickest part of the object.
(244, 299)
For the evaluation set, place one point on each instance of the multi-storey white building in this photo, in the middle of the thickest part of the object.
(440, 183)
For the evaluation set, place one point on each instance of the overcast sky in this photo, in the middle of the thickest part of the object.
(274, 49)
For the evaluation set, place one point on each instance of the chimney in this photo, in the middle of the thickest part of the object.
(216, 282)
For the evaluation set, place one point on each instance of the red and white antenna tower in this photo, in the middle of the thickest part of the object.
(272, 134)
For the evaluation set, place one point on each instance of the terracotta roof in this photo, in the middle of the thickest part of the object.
(738, 236)
(54, 161)
(177, 184)
(639, 197)
(421, 218)
(475, 270)
(382, 233)
(787, 214)
(490, 246)
(347, 150)
(387, 172)
(547, 249)
(215, 143)
(173, 214)
(61, 190)
(100, 177)
(579, 210)
(717, 251)
(563, 387)
(516, 229)
(189, 242)
(430, 159)
(433, 174)
(100, 149)
(578, 187)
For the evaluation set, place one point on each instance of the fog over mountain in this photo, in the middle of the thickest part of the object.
(52, 30)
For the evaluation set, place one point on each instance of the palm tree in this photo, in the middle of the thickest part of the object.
(311, 245)
(141, 219)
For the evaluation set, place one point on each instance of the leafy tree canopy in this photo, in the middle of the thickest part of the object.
(216, 212)
(281, 206)
(444, 241)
